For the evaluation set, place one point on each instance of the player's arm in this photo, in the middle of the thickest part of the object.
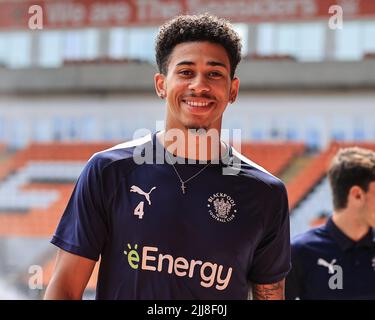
(272, 291)
(70, 277)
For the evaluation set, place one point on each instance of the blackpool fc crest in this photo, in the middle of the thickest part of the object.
(221, 207)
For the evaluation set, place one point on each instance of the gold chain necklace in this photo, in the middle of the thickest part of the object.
(183, 187)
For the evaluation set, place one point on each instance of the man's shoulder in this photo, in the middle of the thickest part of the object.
(313, 238)
(121, 152)
(255, 172)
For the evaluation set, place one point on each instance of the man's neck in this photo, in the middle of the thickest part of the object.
(192, 145)
(350, 224)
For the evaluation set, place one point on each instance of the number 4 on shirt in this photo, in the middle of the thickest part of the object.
(138, 211)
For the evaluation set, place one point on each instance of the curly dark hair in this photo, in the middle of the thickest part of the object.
(204, 27)
(350, 167)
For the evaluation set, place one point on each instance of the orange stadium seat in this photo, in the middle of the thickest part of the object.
(42, 222)
(51, 152)
(274, 157)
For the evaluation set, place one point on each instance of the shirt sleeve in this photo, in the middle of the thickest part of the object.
(83, 227)
(271, 260)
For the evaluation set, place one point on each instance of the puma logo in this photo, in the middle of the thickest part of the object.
(322, 262)
(141, 192)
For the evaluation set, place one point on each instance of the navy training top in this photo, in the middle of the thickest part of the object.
(326, 264)
(229, 229)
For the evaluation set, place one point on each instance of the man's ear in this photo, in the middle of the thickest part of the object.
(159, 81)
(235, 85)
(356, 196)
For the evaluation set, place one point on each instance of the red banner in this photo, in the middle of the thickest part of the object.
(109, 13)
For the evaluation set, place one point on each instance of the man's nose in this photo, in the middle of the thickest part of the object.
(199, 84)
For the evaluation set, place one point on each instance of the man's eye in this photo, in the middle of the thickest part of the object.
(185, 72)
(215, 74)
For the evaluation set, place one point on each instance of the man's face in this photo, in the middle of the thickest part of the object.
(369, 205)
(197, 86)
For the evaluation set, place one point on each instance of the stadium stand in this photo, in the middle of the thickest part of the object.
(12, 198)
(36, 183)
(309, 192)
(35, 179)
(50, 152)
(274, 157)
(305, 181)
(316, 201)
(37, 222)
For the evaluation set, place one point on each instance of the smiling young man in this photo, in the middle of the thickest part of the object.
(189, 224)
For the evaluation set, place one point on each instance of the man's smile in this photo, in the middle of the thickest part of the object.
(197, 106)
